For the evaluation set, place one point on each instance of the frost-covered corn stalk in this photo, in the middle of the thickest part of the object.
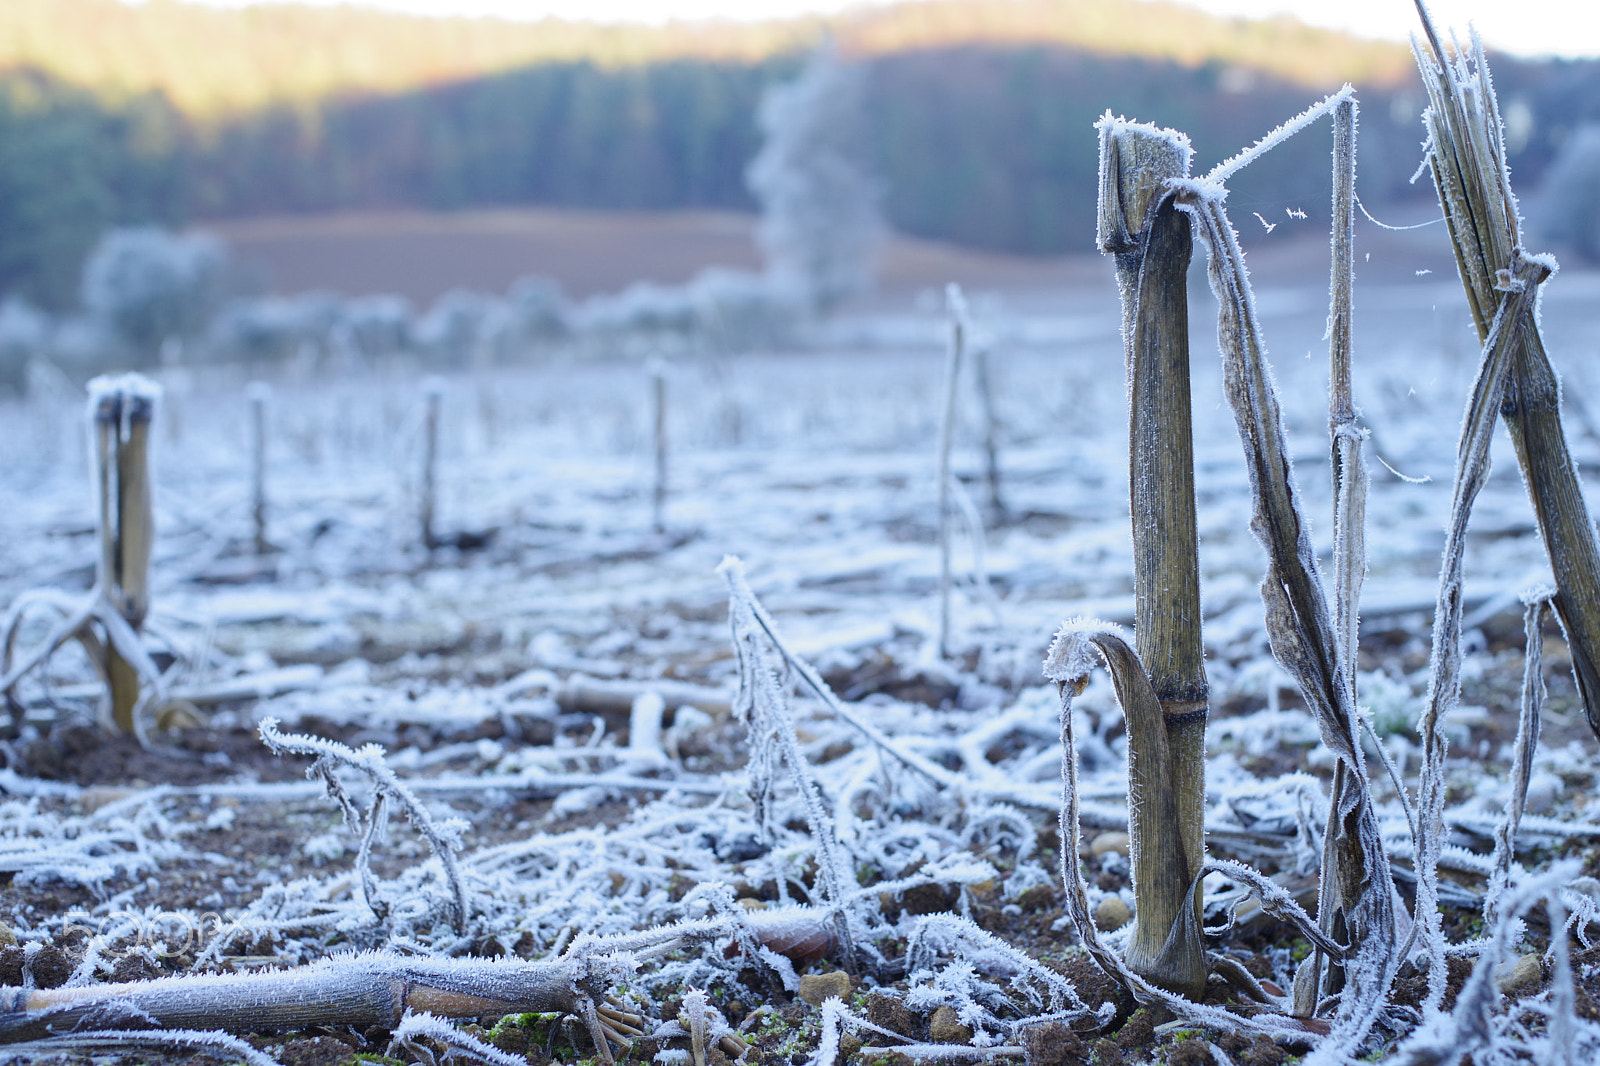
(377, 988)
(1162, 689)
(983, 380)
(1067, 664)
(1349, 478)
(259, 393)
(121, 410)
(433, 399)
(1313, 642)
(763, 706)
(658, 414)
(960, 327)
(1303, 630)
(1466, 155)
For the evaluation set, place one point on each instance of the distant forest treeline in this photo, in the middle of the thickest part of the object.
(987, 144)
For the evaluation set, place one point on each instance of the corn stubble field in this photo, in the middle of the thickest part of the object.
(599, 809)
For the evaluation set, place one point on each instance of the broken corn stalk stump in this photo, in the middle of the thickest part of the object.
(1300, 626)
(433, 400)
(1467, 157)
(355, 990)
(258, 394)
(1140, 224)
(956, 304)
(121, 410)
(1347, 441)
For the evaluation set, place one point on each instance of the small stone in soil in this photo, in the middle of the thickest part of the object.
(817, 987)
(1111, 913)
(1112, 840)
(1519, 975)
(946, 1027)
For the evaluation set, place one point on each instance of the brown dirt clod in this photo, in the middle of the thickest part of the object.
(1052, 1044)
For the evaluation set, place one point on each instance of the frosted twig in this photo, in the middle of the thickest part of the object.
(367, 989)
(761, 704)
(443, 839)
(1445, 1039)
(123, 1040)
(423, 1024)
(1220, 173)
(732, 570)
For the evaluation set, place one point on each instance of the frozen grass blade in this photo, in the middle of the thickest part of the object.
(1138, 164)
(460, 1044)
(1468, 160)
(122, 1042)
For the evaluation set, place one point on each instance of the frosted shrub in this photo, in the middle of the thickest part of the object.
(538, 311)
(265, 330)
(460, 328)
(146, 285)
(737, 311)
(24, 332)
(657, 315)
(379, 326)
(821, 223)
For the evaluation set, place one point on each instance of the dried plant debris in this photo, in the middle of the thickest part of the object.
(822, 808)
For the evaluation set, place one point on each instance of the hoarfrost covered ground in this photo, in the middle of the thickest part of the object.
(566, 688)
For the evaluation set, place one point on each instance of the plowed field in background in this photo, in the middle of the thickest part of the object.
(420, 255)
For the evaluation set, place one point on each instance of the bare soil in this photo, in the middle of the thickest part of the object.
(420, 255)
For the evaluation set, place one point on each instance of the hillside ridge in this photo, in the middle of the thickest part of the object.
(218, 63)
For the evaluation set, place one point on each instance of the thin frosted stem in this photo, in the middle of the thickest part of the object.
(952, 371)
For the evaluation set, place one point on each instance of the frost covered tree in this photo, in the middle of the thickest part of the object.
(1568, 211)
(24, 331)
(821, 223)
(145, 285)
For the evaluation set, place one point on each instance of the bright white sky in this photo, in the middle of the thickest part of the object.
(1527, 27)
